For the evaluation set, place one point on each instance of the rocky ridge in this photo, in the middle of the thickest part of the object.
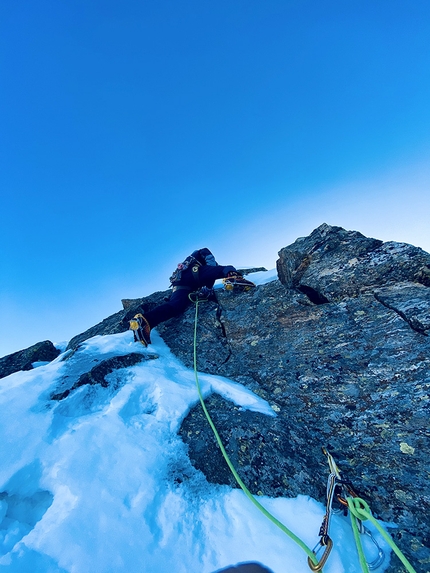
(339, 347)
(24, 359)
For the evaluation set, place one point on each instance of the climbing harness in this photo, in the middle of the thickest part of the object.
(337, 490)
(342, 491)
(245, 490)
(202, 295)
(179, 287)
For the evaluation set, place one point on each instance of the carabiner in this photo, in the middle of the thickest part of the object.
(323, 560)
(381, 555)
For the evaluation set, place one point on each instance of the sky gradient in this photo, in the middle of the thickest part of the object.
(132, 133)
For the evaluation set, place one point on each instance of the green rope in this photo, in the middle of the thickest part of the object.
(360, 509)
(361, 556)
(246, 491)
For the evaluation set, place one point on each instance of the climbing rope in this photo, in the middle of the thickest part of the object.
(246, 491)
(358, 509)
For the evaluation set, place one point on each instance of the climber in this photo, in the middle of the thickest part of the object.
(198, 270)
(245, 568)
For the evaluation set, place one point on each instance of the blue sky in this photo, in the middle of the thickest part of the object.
(133, 132)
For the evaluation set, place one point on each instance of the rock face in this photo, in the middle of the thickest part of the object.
(340, 348)
(23, 359)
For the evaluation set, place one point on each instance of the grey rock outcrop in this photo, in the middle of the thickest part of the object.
(332, 264)
(23, 359)
(340, 349)
(97, 375)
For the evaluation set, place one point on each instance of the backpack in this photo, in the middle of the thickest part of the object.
(189, 262)
(195, 260)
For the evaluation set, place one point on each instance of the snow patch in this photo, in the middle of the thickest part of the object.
(101, 481)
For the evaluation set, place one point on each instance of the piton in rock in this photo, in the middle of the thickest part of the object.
(339, 347)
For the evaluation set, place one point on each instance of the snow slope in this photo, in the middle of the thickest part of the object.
(101, 482)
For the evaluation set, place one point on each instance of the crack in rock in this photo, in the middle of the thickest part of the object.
(415, 312)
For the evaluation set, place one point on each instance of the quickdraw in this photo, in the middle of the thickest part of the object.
(341, 490)
(325, 541)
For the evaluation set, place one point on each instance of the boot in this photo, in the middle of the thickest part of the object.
(141, 329)
(235, 280)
